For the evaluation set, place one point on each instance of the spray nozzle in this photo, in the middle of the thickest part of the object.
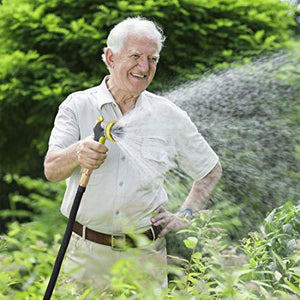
(114, 130)
(107, 130)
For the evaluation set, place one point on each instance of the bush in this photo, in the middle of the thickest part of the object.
(264, 265)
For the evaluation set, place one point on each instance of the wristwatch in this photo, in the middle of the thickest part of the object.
(187, 213)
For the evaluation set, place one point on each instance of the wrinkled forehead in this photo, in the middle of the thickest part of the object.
(141, 44)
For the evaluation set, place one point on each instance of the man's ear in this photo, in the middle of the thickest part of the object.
(109, 58)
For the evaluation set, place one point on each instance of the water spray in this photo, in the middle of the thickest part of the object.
(102, 131)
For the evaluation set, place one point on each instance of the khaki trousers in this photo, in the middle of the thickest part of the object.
(94, 264)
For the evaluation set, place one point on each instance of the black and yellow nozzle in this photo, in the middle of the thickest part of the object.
(102, 131)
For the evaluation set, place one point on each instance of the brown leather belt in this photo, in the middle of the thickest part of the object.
(117, 241)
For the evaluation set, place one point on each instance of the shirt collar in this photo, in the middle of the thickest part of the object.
(104, 96)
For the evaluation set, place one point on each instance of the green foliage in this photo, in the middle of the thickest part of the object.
(52, 48)
(40, 205)
(265, 265)
(274, 253)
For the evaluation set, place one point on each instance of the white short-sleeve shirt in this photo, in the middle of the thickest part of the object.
(128, 186)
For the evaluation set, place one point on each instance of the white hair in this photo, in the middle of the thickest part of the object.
(132, 26)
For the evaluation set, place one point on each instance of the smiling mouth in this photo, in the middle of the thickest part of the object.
(138, 75)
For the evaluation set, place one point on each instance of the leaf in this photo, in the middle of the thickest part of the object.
(292, 287)
(197, 255)
(259, 35)
(277, 275)
(269, 40)
(279, 260)
(237, 274)
(270, 217)
(252, 262)
(248, 39)
(191, 242)
(287, 228)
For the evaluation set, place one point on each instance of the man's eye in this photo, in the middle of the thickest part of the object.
(136, 56)
(154, 59)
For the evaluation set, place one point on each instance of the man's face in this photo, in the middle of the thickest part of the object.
(134, 67)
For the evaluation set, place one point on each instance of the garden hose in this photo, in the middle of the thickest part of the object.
(100, 135)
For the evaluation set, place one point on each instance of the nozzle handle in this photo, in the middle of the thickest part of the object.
(86, 173)
(98, 137)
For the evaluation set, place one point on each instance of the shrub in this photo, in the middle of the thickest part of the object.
(264, 265)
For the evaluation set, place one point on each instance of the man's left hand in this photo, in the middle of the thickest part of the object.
(170, 221)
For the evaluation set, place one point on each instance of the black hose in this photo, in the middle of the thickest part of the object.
(64, 243)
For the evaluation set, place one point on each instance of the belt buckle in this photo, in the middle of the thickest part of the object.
(118, 242)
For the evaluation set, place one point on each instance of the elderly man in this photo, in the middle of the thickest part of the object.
(118, 200)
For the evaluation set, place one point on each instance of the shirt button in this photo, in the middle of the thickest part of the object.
(117, 212)
(121, 183)
(123, 158)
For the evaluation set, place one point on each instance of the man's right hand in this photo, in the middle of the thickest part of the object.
(59, 163)
(90, 154)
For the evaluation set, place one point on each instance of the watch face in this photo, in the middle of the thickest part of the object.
(187, 213)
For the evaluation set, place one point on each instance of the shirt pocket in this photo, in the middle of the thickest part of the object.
(154, 150)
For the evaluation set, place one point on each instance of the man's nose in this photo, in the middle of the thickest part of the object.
(144, 64)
